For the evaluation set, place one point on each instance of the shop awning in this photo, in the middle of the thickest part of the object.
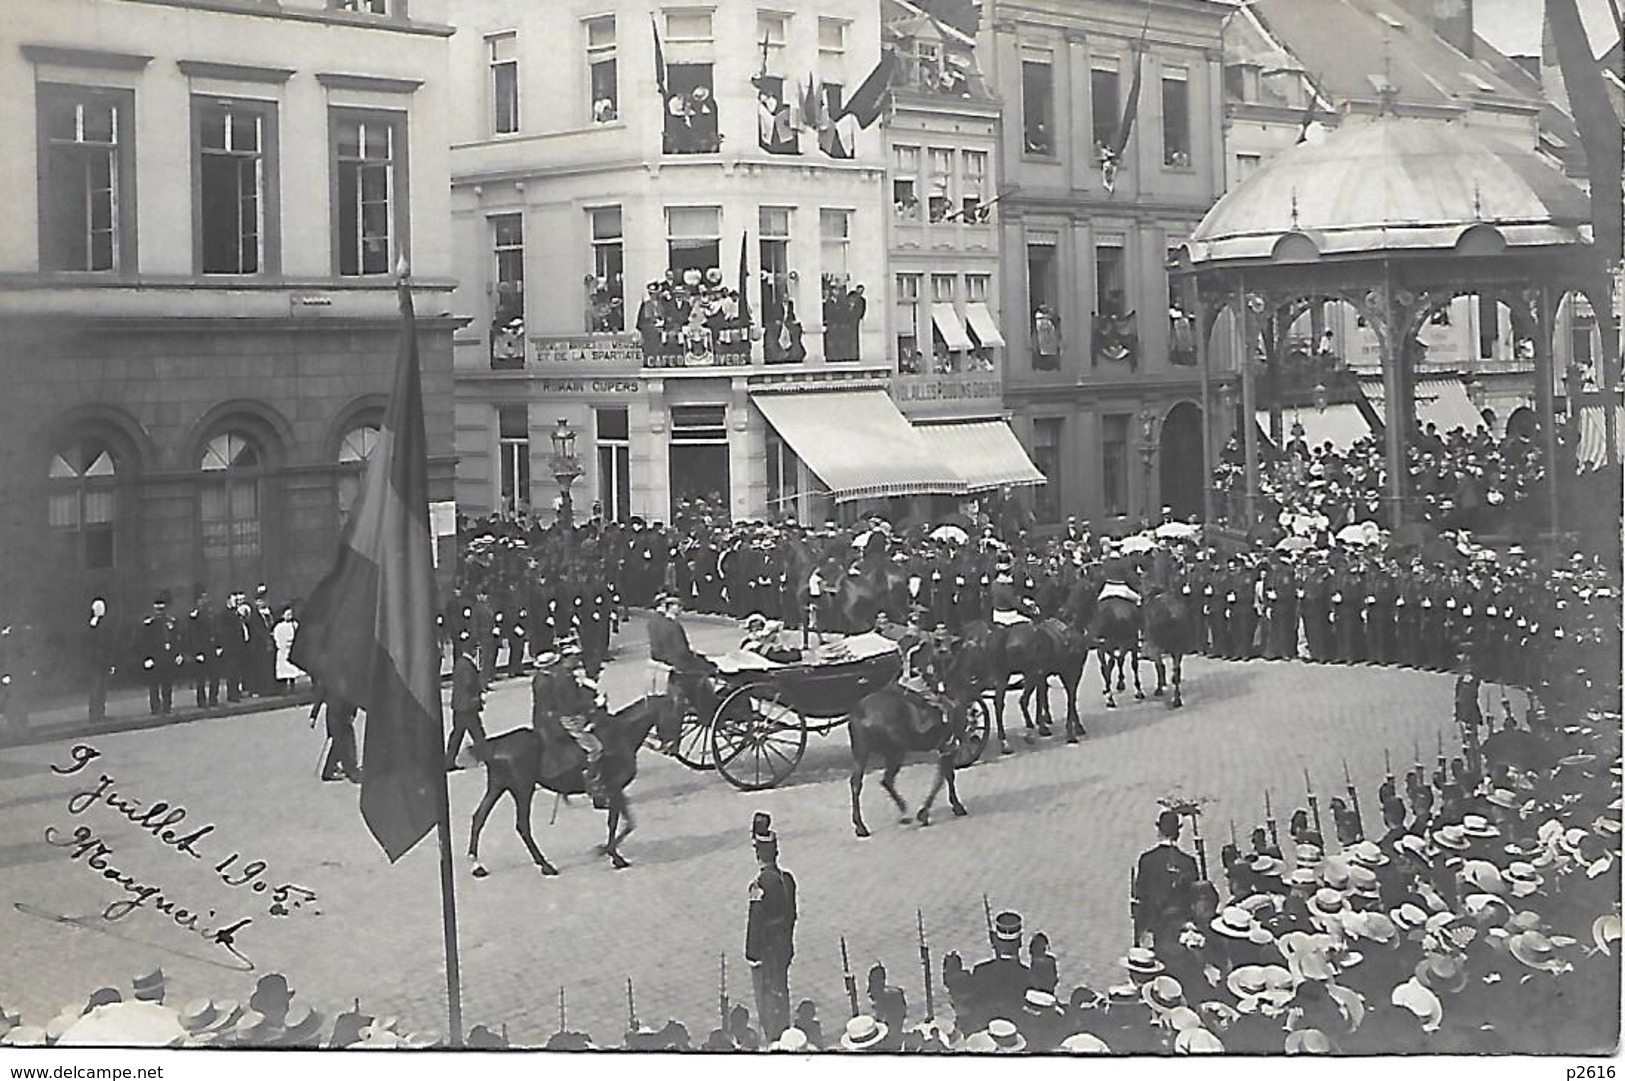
(946, 320)
(1441, 402)
(986, 453)
(984, 326)
(1340, 425)
(1592, 446)
(858, 444)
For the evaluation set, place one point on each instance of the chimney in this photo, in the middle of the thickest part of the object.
(1451, 20)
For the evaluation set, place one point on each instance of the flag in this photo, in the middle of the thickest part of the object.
(1308, 117)
(1594, 116)
(660, 58)
(1131, 107)
(744, 279)
(812, 100)
(866, 101)
(367, 633)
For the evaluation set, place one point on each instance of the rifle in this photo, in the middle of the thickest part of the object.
(1314, 804)
(631, 1008)
(925, 967)
(987, 915)
(1354, 796)
(1269, 820)
(1201, 845)
(849, 979)
(1443, 765)
(561, 1007)
(1233, 843)
(1387, 766)
(722, 994)
(1137, 929)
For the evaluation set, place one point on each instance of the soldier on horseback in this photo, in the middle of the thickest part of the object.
(920, 675)
(1009, 606)
(1118, 574)
(669, 650)
(562, 688)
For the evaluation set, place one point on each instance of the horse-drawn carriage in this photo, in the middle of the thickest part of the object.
(752, 724)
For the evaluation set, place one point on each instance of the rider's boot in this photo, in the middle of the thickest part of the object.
(595, 783)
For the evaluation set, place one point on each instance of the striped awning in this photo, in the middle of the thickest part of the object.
(1340, 425)
(1592, 449)
(984, 326)
(986, 453)
(946, 320)
(1444, 403)
(858, 444)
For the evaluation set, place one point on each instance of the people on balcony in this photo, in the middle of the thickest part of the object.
(692, 318)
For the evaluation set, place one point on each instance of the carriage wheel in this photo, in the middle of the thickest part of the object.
(694, 743)
(975, 741)
(756, 740)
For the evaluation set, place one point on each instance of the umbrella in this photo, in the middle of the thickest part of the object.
(1177, 531)
(861, 540)
(949, 534)
(1140, 542)
(1363, 533)
(1294, 544)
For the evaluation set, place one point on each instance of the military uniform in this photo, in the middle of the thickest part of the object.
(160, 656)
(467, 700)
(770, 930)
(203, 649)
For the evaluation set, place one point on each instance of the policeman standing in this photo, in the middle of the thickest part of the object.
(203, 648)
(159, 656)
(770, 930)
(1164, 884)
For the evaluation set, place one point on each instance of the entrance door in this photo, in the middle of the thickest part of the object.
(1181, 453)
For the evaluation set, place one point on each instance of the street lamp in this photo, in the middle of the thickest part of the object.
(566, 470)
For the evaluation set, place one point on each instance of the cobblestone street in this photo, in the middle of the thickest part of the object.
(1052, 833)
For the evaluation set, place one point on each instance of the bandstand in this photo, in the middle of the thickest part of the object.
(1396, 216)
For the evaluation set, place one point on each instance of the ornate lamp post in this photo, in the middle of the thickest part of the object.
(566, 470)
(1148, 455)
(1321, 397)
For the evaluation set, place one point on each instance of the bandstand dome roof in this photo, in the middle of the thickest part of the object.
(1392, 185)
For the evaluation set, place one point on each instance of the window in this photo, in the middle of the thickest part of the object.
(691, 109)
(834, 241)
(1110, 298)
(603, 87)
(779, 344)
(513, 451)
(1114, 463)
(772, 29)
(614, 463)
(83, 503)
(504, 55)
(86, 223)
(942, 288)
(354, 450)
(832, 37)
(783, 479)
(1247, 165)
(606, 310)
(1181, 324)
(973, 191)
(684, 26)
(1038, 107)
(1176, 119)
(976, 286)
(1107, 110)
(909, 360)
(508, 290)
(1047, 457)
(370, 207)
(940, 201)
(368, 7)
(693, 240)
(233, 142)
(1043, 299)
(229, 503)
(699, 424)
(905, 192)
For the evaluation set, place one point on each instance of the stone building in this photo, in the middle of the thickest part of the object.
(198, 320)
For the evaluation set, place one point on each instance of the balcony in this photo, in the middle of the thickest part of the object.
(618, 352)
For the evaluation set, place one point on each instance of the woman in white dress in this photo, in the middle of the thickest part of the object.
(282, 634)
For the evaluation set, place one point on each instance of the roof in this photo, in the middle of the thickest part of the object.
(1354, 45)
(1393, 184)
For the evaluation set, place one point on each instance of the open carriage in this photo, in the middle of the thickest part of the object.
(756, 730)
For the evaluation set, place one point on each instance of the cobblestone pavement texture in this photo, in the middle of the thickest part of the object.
(1052, 833)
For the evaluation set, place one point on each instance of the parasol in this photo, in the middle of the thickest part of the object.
(1363, 533)
(1140, 542)
(1294, 544)
(949, 534)
(1178, 531)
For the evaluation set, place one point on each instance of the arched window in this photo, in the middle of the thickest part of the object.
(83, 502)
(354, 450)
(229, 504)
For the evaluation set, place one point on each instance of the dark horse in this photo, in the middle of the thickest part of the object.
(544, 755)
(1115, 630)
(892, 722)
(1168, 634)
(1035, 652)
(854, 598)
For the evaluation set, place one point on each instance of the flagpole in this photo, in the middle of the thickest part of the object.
(448, 887)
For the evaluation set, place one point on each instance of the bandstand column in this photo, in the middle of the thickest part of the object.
(1391, 343)
(1545, 400)
(1249, 401)
(1202, 358)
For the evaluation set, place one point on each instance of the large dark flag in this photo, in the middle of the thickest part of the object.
(744, 279)
(1131, 107)
(1594, 115)
(869, 98)
(367, 633)
(660, 59)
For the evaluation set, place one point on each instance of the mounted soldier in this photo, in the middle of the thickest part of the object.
(563, 696)
(1008, 603)
(1119, 576)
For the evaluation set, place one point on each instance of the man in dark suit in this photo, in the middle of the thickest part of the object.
(231, 630)
(770, 930)
(668, 644)
(1164, 884)
(202, 639)
(160, 656)
(467, 700)
(341, 757)
(261, 644)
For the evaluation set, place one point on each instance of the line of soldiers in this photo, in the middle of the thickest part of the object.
(231, 646)
(510, 622)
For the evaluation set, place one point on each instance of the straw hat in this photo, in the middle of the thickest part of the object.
(1421, 1002)
(1334, 873)
(1373, 926)
(862, 1033)
(1084, 1044)
(1308, 1041)
(1476, 825)
(1142, 962)
(1366, 853)
(1534, 950)
(302, 1027)
(150, 987)
(1163, 994)
(1007, 1039)
(1484, 876)
(793, 1039)
(1197, 1041)
(1327, 904)
(1408, 917)
(1233, 922)
(202, 1016)
(1303, 878)
(1441, 974)
(1452, 836)
(126, 1024)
